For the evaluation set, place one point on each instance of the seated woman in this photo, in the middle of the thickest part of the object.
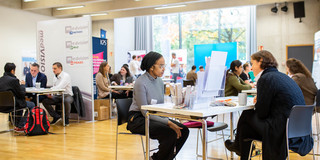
(147, 89)
(302, 76)
(123, 78)
(102, 81)
(245, 76)
(234, 84)
(276, 95)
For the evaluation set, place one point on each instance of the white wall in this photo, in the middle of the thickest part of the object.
(276, 30)
(17, 34)
(123, 40)
(107, 25)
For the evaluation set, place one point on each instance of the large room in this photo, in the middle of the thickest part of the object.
(160, 80)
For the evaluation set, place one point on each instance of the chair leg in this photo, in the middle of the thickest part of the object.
(117, 143)
(198, 133)
(144, 152)
(250, 152)
(225, 149)
(317, 123)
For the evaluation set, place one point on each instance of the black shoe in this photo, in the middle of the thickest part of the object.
(66, 122)
(231, 146)
(55, 120)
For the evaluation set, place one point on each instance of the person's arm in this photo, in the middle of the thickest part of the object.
(140, 95)
(65, 81)
(44, 81)
(101, 84)
(265, 94)
(18, 90)
(236, 83)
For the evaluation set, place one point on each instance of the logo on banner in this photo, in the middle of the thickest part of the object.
(75, 44)
(42, 53)
(71, 30)
(103, 42)
(76, 60)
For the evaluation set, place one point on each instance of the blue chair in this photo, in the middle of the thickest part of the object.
(299, 124)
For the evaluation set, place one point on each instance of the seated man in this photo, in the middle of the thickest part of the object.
(33, 77)
(9, 82)
(61, 80)
(192, 75)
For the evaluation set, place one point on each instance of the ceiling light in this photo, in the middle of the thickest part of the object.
(284, 8)
(274, 9)
(29, 0)
(167, 7)
(98, 14)
(73, 7)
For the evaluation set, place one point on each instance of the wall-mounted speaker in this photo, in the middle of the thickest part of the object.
(298, 8)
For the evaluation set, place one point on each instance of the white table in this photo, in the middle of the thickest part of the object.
(45, 91)
(251, 91)
(129, 87)
(200, 112)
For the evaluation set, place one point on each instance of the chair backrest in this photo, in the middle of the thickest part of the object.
(299, 122)
(7, 99)
(123, 106)
(318, 98)
(188, 82)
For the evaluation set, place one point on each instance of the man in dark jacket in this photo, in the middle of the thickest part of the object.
(9, 82)
(35, 77)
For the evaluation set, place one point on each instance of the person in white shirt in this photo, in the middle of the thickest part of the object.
(134, 66)
(174, 67)
(61, 80)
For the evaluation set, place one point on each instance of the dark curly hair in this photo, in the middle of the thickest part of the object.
(149, 60)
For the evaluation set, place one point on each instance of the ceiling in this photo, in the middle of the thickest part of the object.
(125, 8)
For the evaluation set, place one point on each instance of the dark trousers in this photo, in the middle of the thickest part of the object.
(34, 98)
(57, 100)
(169, 145)
(174, 77)
(249, 127)
(20, 122)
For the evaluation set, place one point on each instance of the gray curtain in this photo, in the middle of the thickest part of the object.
(251, 32)
(143, 33)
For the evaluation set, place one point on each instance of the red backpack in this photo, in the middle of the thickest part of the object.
(38, 123)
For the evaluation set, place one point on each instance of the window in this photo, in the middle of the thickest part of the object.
(184, 30)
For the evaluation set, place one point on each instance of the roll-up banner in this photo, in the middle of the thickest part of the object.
(69, 42)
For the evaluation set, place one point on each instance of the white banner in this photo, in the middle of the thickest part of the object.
(69, 42)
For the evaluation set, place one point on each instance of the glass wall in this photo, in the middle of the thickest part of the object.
(184, 30)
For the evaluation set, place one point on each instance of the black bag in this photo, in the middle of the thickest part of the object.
(38, 123)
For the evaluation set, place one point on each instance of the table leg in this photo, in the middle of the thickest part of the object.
(63, 111)
(38, 100)
(231, 131)
(204, 139)
(110, 101)
(147, 136)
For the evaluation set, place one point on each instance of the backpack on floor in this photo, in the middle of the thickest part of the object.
(38, 123)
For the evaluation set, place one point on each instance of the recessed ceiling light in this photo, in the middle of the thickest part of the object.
(72, 7)
(29, 0)
(167, 7)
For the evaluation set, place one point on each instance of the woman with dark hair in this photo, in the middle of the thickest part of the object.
(245, 73)
(234, 84)
(276, 95)
(149, 88)
(102, 81)
(301, 75)
(122, 77)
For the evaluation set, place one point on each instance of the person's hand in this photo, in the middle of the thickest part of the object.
(127, 93)
(255, 99)
(252, 85)
(175, 128)
(22, 82)
(115, 91)
(49, 95)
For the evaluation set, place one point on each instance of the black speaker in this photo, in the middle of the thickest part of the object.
(298, 8)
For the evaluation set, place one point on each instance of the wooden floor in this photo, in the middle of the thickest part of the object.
(94, 140)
